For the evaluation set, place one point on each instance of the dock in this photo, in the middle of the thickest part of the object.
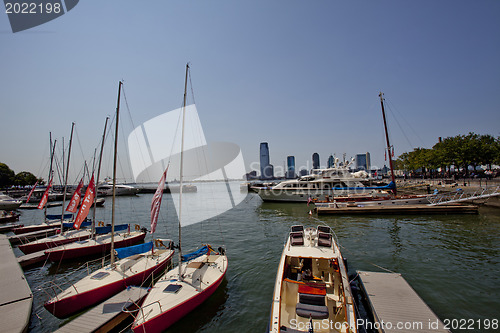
(32, 258)
(399, 209)
(30, 236)
(396, 307)
(108, 314)
(16, 299)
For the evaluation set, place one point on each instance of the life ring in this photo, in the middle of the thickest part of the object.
(159, 243)
(100, 224)
(137, 227)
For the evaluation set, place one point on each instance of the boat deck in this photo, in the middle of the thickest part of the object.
(395, 304)
(16, 299)
(106, 315)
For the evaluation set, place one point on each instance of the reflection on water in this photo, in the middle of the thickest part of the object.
(452, 261)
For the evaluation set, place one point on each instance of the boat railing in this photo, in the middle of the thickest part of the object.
(462, 196)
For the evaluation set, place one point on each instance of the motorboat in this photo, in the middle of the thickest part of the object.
(106, 189)
(335, 181)
(8, 203)
(312, 291)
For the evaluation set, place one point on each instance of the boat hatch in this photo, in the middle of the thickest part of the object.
(100, 275)
(172, 288)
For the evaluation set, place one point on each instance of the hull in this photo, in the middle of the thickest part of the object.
(57, 240)
(31, 228)
(67, 306)
(349, 202)
(281, 195)
(170, 315)
(91, 247)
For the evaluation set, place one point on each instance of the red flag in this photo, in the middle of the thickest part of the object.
(156, 202)
(45, 196)
(75, 200)
(31, 192)
(88, 199)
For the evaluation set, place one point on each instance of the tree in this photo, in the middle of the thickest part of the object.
(25, 178)
(6, 175)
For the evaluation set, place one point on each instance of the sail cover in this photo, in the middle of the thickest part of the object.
(128, 251)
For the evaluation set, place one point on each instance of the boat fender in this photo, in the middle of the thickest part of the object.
(345, 265)
(100, 224)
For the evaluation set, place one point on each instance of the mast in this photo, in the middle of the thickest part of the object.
(381, 95)
(98, 174)
(182, 163)
(66, 175)
(52, 153)
(114, 177)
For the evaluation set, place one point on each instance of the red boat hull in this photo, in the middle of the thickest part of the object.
(69, 306)
(64, 254)
(31, 228)
(168, 318)
(35, 247)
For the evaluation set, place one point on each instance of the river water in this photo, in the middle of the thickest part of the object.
(452, 261)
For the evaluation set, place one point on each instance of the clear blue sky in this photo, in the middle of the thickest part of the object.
(301, 75)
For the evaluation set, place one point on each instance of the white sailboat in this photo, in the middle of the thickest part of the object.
(185, 287)
(136, 264)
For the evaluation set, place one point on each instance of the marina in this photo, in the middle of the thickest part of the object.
(436, 255)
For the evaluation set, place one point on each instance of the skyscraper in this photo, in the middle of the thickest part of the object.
(315, 161)
(290, 172)
(363, 162)
(266, 169)
(330, 161)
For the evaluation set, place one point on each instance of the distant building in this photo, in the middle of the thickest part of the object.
(315, 158)
(290, 172)
(331, 161)
(302, 172)
(266, 169)
(363, 162)
(251, 175)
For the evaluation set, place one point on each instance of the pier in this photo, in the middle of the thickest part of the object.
(396, 306)
(108, 314)
(16, 299)
(399, 209)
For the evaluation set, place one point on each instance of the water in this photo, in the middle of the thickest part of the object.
(452, 261)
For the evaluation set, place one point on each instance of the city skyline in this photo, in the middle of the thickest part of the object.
(314, 91)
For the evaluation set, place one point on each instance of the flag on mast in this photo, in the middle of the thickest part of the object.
(88, 199)
(75, 199)
(156, 202)
(45, 196)
(31, 192)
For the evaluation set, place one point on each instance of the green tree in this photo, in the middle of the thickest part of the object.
(25, 178)
(6, 175)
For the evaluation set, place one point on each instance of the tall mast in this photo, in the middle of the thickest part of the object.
(114, 177)
(182, 163)
(98, 174)
(381, 95)
(66, 175)
(52, 153)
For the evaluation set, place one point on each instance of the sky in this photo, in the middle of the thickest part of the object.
(303, 76)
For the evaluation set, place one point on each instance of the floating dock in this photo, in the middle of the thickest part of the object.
(399, 209)
(16, 299)
(108, 314)
(396, 307)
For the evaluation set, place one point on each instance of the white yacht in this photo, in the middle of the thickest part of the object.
(331, 182)
(106, 189)
(8, 203)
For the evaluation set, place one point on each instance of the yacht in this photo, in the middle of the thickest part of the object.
(8, 203)
(106, 189)
(321, 183)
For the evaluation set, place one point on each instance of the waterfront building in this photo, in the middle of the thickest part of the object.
(315, 158)
(303, 172)
(266, 169)
(363, 162)
(290, 173)
(331, 161)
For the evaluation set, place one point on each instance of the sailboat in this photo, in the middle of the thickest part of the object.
(312, 287)
(136, 264)
(107, 239)
(185, 287)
